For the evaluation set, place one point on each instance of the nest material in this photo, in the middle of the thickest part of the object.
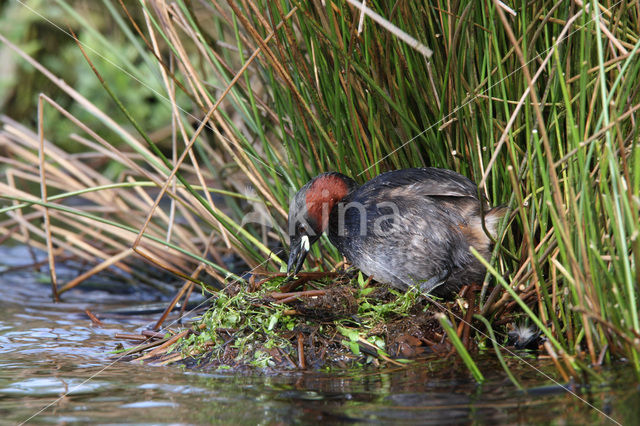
(335, 303)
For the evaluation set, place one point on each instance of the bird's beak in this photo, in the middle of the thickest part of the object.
(299, 250)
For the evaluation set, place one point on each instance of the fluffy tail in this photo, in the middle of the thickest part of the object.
(493, 217)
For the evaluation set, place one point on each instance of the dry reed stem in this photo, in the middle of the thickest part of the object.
(187, 286)
(163, 347)
(554, 357)
(113, 260)
(171, 359)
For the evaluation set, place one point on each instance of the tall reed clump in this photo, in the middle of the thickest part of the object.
(538, 105)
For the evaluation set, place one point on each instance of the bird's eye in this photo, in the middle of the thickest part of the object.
(302, 228)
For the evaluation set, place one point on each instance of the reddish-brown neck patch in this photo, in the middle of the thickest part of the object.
(322, 195)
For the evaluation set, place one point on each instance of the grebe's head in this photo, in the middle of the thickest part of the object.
(309, 213)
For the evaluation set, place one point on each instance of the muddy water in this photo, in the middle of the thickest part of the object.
(55, 367)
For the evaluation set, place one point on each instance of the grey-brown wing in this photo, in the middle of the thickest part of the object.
(421, 182)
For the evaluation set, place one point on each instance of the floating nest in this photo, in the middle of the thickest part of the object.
(317, 321)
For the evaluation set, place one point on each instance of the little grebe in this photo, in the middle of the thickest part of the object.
(405, 227)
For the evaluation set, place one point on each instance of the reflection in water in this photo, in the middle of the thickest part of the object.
(52, 356)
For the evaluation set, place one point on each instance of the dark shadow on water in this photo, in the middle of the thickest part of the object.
(47, 350)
